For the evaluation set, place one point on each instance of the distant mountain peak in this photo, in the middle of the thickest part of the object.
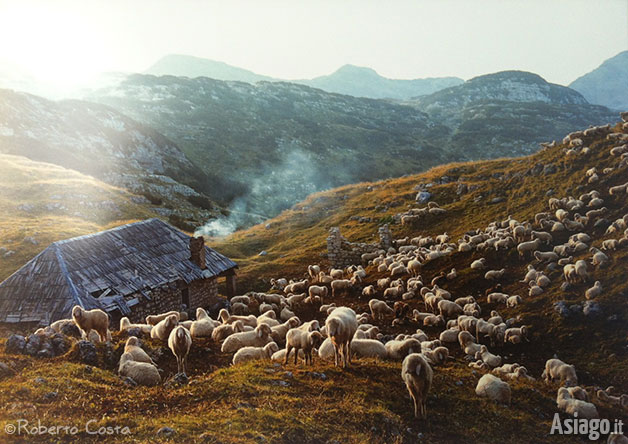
(607, 84)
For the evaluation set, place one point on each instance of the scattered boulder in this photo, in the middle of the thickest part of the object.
(71, 330)
(15, 344)
(87, 353)
(423, 196)
(591, 308)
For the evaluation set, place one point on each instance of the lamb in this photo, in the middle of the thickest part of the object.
(125, 324)
(467, 343)
(341, 325)
(555, 368)
(269, 318)
(156, 319)
(610, 244)
(368, 348)
(380, 309)
(417, 375)
(163, 328)
(259, 337)
(547, 256)
(336, 273)
(88, 320)
(393, 292)
(449, 309)
(450, 335)
(246, 354)
(493, 388)
(571, 406)
(132, 347)
(142, 373)
(594, 291)
(296, 287)
(383, 283)
(369, 291)
(313, 271)
(543, 236)
(279, 332)
(179, 342)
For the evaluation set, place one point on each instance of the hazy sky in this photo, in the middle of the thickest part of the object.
(560, 40)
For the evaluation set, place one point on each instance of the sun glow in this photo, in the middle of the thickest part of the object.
(54, 45)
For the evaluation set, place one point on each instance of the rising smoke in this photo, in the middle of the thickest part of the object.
(274, 190)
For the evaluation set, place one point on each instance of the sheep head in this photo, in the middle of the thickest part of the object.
(133, 341)
(315, 338)
(263, 330)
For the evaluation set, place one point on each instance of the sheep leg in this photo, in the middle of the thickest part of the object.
(296, 355)
(415, 401)
(288, 348)
(423, 408)
(336, 352)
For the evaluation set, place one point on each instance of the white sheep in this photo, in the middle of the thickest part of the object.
(278, 332)
(180, 342)
(246, 354)
(478, 264)
(298, 339)
(380, 309)
(449, 309)
(318, 290)
(437, 356)
(226, 318)
(594, 291)
(566, 403)
(156, 319)
(557, 369)
(526, 247)
(223, 331)
(163, 328)
(399, 349)
(492, 387)
(417, 375)
(142, 373)
(340, 285)
(126, 324)
(259, 337)
(341, 325)
(368, 348)
(204, 325)
(488, 358)
(132, 347)
(513, 301)
(88, 320)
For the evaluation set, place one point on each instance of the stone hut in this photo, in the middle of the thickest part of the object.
(342, 253)
(133, 270)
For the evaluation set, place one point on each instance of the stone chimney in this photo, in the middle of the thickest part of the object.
(197, 251)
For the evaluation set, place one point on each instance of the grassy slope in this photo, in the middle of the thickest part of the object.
(367, 403)
(86, 205)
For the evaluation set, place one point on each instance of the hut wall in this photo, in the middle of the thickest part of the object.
(202, 293)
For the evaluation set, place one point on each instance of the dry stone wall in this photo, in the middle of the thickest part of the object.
(342, 253)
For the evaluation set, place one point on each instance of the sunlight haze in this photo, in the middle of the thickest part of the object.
(68, 41)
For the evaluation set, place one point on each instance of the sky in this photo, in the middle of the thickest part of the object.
(68, 41)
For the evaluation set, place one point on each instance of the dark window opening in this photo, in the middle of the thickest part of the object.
(185, 297)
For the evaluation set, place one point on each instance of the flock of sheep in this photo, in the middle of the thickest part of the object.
(277, 333)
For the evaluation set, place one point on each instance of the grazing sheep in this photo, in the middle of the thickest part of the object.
(179, 342)
(226, 318)
(526, 247)
(450, 335)
(246, 354)
(449, 309)
(478, 264)
(599, 258)
(163, 328)
(555, 368)
(545, 256)
(494, 275)
(223, 331)
(594, 291)
(340, 285)
(398, 349)
(488, 358)
(132, 347)
(437, 356)
(286, 314)
(280, 355)
(513, 301)
(368, 348)
(142, 373)
(434, 321)
(492, 387)
(369, 291)
(380, 309)
(125, 324)
(88, 320)
(417, 375)
(341, 325)
(259, 337)
(302, 340)
(516, 335)
(497, 298)
(156, 319)
(566, 403)
(316, 290)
